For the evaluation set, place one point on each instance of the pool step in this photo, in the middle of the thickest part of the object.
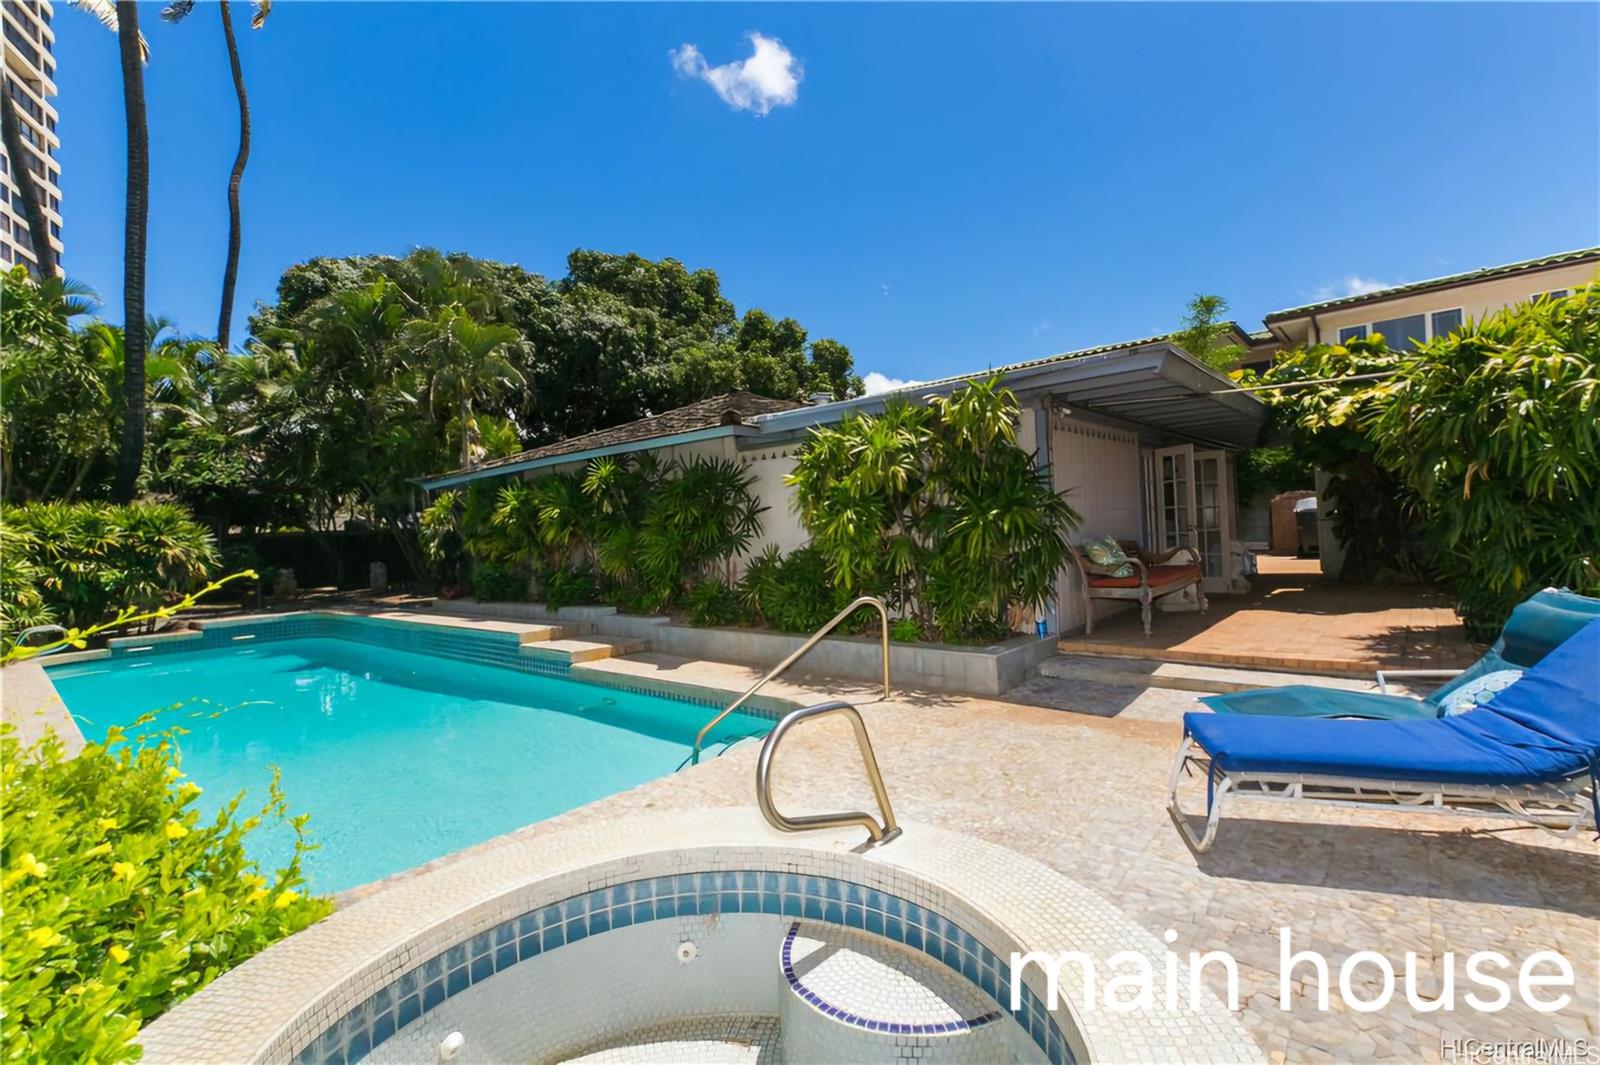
(587, 649)
(715, 1040)
(852, 997)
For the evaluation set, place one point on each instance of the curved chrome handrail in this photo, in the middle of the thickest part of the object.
(879, 832)
(22, 638)
(865, 600)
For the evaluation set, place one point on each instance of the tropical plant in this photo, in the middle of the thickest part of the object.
(120, 898)
(702, 516)
(462, 361)
(496, 582)
(1372, 511)
(1495, 429)
(74, 560)
(937, 508)
(177, 12)
(1204, 330)
(1476, 451)
(561, 586)
(712, 602)
(793, 593)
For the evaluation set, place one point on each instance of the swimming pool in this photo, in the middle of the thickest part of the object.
(399, 756)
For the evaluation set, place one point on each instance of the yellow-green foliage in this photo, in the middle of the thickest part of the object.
(119, 898)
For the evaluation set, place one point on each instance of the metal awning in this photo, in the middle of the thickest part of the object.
(1155, 386)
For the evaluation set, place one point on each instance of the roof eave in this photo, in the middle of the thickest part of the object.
(455, 477)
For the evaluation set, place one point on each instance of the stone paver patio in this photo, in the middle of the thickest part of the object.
(1085, 794)
(1295, 619)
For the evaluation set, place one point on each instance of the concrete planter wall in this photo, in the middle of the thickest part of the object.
(988, 670)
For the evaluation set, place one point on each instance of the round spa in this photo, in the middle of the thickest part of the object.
(706, 938)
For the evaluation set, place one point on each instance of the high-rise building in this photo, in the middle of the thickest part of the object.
(28, 45)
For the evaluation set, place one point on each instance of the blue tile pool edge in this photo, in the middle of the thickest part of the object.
(423, 988)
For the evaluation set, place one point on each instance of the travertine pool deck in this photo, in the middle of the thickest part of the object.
(1085, 795)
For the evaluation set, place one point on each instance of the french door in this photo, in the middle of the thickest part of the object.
(1189, 506)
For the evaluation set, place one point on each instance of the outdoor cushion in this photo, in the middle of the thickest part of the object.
(1478, 691)
(1544, 728)
(1159, 575)
(1107, 552)
(1308, 700)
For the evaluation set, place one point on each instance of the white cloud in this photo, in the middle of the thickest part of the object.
(769, 78)
(1354, 285)
(876, 382)
(1042, 327)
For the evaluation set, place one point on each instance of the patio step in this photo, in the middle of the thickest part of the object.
(1184, 676)
(587, 649)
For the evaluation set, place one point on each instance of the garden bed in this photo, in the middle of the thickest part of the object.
(978, 670)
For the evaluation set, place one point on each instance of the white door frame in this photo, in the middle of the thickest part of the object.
(1222, 580)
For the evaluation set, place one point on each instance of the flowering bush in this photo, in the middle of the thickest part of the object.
(120, 899)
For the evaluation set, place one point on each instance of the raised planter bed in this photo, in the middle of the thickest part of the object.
(986, 670)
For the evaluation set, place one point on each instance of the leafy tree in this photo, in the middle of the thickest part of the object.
(1470, 458)
(1204, 331)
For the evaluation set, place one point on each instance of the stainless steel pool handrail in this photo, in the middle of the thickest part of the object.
(22, 637)
(812, 641)
(882, 832)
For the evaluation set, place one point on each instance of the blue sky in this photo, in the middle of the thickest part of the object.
(943, 187)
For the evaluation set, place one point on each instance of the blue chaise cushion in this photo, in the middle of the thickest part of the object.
(1544, 728)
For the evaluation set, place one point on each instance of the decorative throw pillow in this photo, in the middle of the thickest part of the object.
(1478, 691)
(1107, 552)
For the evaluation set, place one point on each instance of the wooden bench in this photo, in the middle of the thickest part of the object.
(1153, 576)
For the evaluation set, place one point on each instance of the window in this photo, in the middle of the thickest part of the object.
(55, 230)
(1445, 322)
(1405, 333)
(5, 251)
(55, 204)
(1352, 332)
(1553, 294)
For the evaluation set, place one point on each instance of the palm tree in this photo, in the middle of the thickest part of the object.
(175, 12)
(32, 201)
(465, 360)
(131, 46)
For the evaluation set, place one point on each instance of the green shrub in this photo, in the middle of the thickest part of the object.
(1496, 429)
(568, 586)
(495, 582)
(905, 630)
(712, 602)
(936, 507)
(120, 900)
(793, 593)
(79, 559)
(1472, 459)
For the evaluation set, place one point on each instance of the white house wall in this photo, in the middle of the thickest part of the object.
(1098, 467)
(781, 523)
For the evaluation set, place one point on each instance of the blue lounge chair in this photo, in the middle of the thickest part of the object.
(1532, 754)
(1536, 627)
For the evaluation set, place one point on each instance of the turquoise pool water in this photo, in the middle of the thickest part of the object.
(399, 757)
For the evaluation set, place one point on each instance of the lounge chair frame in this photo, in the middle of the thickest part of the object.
(1562, 808)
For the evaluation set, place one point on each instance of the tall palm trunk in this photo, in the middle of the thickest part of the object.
(32, 199)
(135, 232)
(230, 272)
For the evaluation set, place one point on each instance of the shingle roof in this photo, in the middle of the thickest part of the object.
(1031, 363)
(1483, 274)
(732, 408)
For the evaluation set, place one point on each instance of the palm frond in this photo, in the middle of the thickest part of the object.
(177, 11)
(106, 12)
(259, 19)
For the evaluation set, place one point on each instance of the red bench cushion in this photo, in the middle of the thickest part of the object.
(1159, 577)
